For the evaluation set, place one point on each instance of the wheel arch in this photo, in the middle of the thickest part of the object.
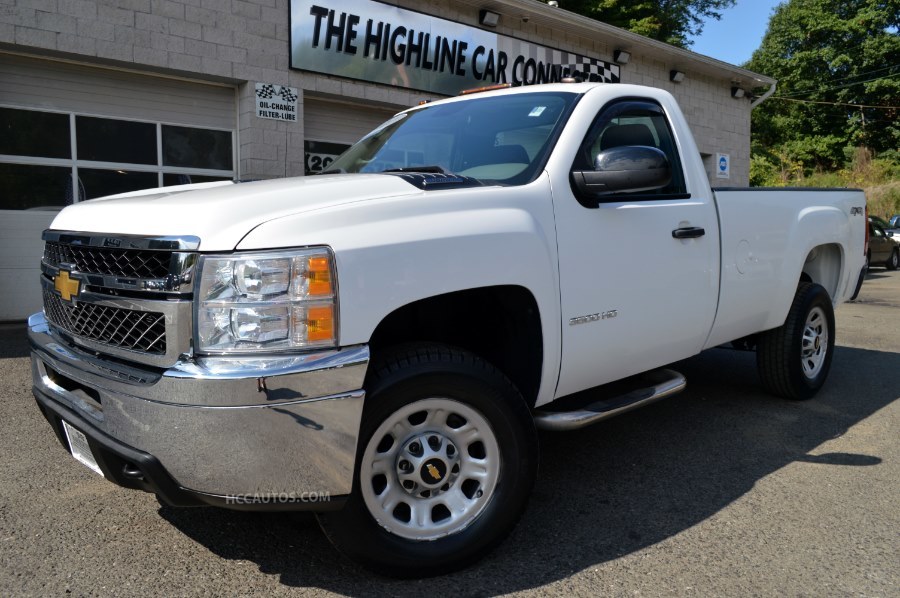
(824, 265)
(501, 324)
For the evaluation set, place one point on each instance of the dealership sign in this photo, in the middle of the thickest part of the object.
(371, 41)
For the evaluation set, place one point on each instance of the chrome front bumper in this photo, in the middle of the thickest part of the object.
(261, 428)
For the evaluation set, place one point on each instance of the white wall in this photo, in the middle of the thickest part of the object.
(21, 249)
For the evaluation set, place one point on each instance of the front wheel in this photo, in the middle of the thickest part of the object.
(447, 458)
(894, 261)
(793, 360)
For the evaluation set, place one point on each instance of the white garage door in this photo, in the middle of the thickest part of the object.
(330, 127)
(71, 132)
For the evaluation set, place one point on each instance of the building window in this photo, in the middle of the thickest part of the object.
(111, 140)
(196, 148)
(30, 133)
(32, 187)
(52, 159)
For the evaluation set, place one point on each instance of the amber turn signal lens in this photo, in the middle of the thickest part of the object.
(318, 272)
(320, 323)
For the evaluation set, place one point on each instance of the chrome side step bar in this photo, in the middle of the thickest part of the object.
(664, 382)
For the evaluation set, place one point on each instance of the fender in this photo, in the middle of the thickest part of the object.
(393, 251)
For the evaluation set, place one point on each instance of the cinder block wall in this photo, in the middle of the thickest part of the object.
(242, 43)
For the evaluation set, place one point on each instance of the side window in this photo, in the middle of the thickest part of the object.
(633, 122)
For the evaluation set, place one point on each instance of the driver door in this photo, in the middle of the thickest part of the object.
(633, 296)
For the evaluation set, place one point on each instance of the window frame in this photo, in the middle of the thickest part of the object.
(74, 163)
(615, 109)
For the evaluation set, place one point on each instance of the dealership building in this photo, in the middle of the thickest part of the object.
(103, 97)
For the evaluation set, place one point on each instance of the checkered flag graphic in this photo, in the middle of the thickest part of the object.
(287, 95)
(265, 91)
(593, 70)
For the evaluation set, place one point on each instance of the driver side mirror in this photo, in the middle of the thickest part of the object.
(623, 169)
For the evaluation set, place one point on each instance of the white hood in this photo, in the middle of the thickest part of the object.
(222, 214)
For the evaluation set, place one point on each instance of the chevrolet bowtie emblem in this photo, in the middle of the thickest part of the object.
(433, 471)
(65, 286)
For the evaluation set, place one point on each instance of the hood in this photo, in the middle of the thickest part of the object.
(222, 214)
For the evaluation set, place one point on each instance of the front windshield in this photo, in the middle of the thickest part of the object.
(500, 139)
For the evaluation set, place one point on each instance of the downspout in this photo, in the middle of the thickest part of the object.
(764, 96)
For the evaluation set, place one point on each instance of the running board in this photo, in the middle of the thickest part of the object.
(664, 382)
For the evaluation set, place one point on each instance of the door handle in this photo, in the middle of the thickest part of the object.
(688, 232)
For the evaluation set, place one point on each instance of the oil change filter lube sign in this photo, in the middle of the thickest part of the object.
(371, 41)
(276, 102)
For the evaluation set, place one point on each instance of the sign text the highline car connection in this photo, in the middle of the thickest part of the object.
(371, 41)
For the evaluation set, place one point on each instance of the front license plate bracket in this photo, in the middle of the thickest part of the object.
(79, 447)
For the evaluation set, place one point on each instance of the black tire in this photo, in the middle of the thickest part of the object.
(416, 379)
(780, 360)
(894, 261)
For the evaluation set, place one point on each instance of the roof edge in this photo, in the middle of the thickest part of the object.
(546, 15)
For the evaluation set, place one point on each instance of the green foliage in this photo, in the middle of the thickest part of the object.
(763, 173)
(884, 200)
(833, 52)
(775, 169)
(878, 176)
(671, 21)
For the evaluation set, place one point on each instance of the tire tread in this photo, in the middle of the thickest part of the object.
(774, 351)
(406, 356)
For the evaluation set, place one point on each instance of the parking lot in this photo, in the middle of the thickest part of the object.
(722, 490)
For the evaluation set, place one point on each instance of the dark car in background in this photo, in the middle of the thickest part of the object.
(884, 247)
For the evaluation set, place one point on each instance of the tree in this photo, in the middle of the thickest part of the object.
(838, 68)
(670, 21)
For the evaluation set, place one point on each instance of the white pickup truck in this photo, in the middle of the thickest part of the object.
(380, 343)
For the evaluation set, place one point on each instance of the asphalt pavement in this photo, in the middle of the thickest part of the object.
(720, 491)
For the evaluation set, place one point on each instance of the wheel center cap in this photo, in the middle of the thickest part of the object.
(818, 343)
(433, 471)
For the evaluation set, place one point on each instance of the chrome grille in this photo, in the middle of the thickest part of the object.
(114, 326)
(130, 263)
(133, 298)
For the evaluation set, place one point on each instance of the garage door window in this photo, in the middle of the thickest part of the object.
(111, 140)
(52, 159)
(31, 133)
(29, 187)
(196, 148)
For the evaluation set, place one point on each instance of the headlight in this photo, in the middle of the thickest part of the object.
(266, 301)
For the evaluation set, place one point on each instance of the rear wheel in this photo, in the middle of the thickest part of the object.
(794, 360)
(447, 458)
(894, 261)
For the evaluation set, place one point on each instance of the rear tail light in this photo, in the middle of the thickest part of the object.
(866, 248)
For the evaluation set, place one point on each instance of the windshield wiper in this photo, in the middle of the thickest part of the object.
(432, 168)
(333, 171)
